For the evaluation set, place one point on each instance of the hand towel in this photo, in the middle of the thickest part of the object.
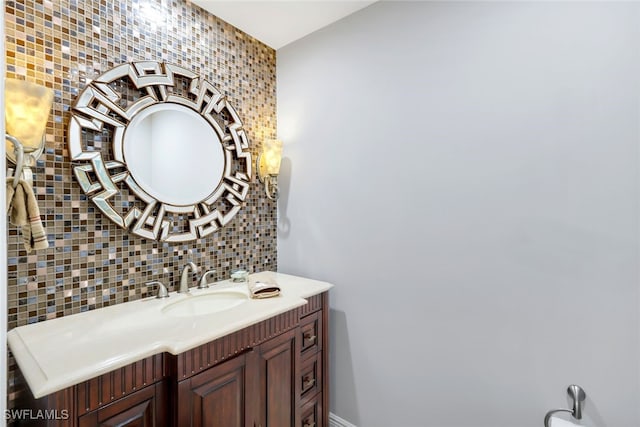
(263, 289)
(23, 211)
(559, 422)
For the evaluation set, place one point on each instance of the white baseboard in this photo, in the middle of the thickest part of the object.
(336, 421)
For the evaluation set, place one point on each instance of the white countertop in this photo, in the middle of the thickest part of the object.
(56, 354)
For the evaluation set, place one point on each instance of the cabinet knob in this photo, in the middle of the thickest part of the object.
(309, 337)
(308, 382)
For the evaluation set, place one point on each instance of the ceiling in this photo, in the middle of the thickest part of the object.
(278, 23)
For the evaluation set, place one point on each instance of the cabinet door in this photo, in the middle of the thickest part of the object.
(214, 398)
(278, 386)
(145, 408)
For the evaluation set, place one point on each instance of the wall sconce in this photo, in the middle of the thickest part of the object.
(269, 166)
(27, 107)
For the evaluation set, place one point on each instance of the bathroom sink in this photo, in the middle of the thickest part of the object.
(209, 303)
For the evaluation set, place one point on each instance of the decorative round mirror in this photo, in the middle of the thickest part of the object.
(160, 151)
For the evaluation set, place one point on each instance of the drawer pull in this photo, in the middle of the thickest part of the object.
(308, 382)
(308, 423)
(309, 337)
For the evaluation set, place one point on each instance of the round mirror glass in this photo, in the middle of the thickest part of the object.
(173, 154)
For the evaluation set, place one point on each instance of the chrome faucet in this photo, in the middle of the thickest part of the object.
(184, 277)
(162, 289)
(203, 284)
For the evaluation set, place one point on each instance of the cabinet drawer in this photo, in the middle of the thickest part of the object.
(311, 413)
(311, 333)
(311, 375)
(146, 407)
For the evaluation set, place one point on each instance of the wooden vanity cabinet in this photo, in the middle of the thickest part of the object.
(135, 395)
(217, 396)
(256, 388)
(270, 374)
(278, 387)
(146, 407)
(313, 373)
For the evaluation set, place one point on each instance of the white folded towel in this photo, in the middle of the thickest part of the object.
(263, 289)
(23, 211)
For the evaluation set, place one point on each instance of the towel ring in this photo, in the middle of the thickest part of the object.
(577, 394)
(18, 150)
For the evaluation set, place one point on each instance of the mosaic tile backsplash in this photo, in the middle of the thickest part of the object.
(91, 262)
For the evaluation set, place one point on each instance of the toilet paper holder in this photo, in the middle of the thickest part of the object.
(577, 394)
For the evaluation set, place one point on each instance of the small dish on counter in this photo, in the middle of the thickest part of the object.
(239, 276)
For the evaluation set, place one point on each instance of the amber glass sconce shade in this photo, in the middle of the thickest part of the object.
(269, 167)
(27, 107)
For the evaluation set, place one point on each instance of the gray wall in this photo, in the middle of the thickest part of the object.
(467, 176)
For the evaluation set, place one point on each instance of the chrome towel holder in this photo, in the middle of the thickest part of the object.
(577, 394)
(19, 153)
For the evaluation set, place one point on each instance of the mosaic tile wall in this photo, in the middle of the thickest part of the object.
(91, 262)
